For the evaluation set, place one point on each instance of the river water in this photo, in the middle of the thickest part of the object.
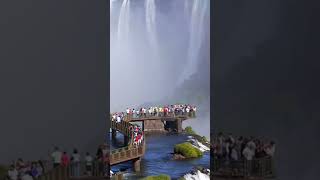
(157, 159)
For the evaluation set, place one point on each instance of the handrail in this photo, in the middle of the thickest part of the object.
(66, 172)
(191, 114)
(260, 167)
(160, 116)
(122, 126)
(131, 153)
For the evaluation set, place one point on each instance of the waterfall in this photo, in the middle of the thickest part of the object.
(199, 10)
(111, 5)
(151, 25)
(123, 25)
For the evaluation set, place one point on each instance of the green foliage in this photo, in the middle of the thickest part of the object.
(203, 139)
(189, 130)
(187, 150)
(3, 172)
(159, 177)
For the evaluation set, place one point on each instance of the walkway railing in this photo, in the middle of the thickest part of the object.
(74, 171)
(160, 116)
(127, 153)
(58, 173)
(262, 167)
(123, 127)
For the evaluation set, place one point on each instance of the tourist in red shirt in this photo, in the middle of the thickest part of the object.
(65, 160)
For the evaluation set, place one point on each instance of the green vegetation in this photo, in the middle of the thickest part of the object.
(160, 177)
(3, 172)
(189, 130)
(203, 139)
(187, 150)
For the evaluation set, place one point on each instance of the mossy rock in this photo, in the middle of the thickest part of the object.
(187, 150)
(159, 177)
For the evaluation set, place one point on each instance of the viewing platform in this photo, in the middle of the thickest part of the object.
(150, 123)
(164, 122)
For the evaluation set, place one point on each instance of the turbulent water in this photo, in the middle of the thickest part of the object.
(157, 159)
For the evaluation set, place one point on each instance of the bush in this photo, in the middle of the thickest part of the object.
(160, 177)
(187, 150)
(189, 130)
(3, 172)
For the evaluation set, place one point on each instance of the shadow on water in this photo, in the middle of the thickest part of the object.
(157, 159)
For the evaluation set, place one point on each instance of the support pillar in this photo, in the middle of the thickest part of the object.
(143, 125)
(179, 125)
(114, 133)
(125, 140)
(136, 165)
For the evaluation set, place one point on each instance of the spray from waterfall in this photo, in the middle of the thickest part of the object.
(199, 10)
(151, 25)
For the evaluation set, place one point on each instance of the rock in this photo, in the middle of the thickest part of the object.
(178, 157)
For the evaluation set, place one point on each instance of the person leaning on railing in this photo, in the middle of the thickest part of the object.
(99, 159)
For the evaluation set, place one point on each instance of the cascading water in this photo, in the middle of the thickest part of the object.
(151, 25)
(123, 24)
(199, 10)
(111, 5)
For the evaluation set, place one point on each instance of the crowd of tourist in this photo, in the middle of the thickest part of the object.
(229, 147)
(159, 111)
(21, 170)
(136, 134)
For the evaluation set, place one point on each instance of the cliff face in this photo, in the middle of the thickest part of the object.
(196, 90)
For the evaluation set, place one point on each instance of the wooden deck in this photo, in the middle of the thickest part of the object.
(129, 152)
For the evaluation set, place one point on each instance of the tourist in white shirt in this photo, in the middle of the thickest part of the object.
(75, 159)
(88, 160)
(234, 154)
(270, 149)
(26, 177)
(118, 119)
(13, 173)
(248, 152)
(56, 156)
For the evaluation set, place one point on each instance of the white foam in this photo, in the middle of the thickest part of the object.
(197, 176)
